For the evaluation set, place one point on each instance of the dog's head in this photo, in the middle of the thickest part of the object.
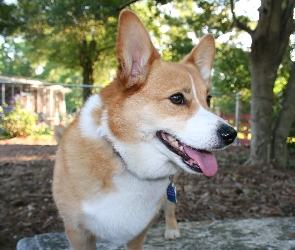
(157, 114)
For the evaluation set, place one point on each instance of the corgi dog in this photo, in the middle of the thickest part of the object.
(114, 161)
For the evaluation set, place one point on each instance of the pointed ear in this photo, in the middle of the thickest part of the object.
(203, 56)
(135, 50)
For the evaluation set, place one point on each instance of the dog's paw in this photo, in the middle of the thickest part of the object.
(171, 234)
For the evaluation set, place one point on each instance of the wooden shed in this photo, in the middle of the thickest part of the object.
(44, 98)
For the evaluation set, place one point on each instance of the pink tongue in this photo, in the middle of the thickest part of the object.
(205, 160)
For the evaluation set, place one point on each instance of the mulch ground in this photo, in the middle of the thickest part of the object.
(237, 191)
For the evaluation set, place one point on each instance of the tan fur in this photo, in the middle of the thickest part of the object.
(58, 131)
(137, 242)
(124, 119)
(78, 149)
(85, 168)
(170, 218)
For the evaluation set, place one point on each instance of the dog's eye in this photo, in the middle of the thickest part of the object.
(178, 99)
(209, 100)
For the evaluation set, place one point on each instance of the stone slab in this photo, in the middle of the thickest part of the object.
(244, 234)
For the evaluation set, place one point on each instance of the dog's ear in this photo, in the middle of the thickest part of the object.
(203, 56)
(135, 50)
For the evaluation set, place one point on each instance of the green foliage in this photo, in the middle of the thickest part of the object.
(283, 75)
(231, 69)
(231, 75)
(74, 100)
(8, 21)
(166, 23)
(72, 35)
(75, 33)
(19, 122)
(15, 58)
(210, 16)
(224, 104)
(291, 138)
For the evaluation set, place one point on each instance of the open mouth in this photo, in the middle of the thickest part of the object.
(198, 160)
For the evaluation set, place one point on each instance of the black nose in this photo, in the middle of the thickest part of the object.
(227, 133)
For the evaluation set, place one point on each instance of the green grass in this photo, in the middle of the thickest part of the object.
(48, 135)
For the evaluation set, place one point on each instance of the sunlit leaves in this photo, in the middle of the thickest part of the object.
(231, 69)
(15, 58)
(8, 19)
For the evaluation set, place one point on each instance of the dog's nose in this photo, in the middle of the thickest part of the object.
(227, 133)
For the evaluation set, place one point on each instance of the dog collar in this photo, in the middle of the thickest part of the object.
(171, 191)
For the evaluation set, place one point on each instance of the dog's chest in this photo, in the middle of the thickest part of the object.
(121, 215)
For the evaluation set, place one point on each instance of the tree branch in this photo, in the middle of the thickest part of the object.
(126, 4)
(103, 49)
(237, 23)
(114, 10)
(288, 11)
(106, 48)
(287, 26)
(285, 121)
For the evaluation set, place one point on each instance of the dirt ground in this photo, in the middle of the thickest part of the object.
(237, 191)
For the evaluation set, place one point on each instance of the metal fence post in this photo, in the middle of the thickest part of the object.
(3, 93)
(237, 116)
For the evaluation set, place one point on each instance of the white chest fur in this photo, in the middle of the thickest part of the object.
(121, 215)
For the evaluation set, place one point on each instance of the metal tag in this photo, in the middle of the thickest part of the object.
(171, 191)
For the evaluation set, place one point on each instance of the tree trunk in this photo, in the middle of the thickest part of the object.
(284, 123)
(86, 51)
(87, 80)
(269, 42)
(263, 74)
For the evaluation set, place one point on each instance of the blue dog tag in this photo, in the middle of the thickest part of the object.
(171, 191)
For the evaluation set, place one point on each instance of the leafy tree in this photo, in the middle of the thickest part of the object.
(270, 41)
(11, 57)
(14, 58)
(8, 21)
(76, 33)
(231, 75)
(231, 69)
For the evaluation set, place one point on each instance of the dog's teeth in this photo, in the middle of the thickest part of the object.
(181, 148)
(171, 138)
(175, 144)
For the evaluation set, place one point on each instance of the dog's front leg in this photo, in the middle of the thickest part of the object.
(80, 239)
(172, 230)
(137, 242)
